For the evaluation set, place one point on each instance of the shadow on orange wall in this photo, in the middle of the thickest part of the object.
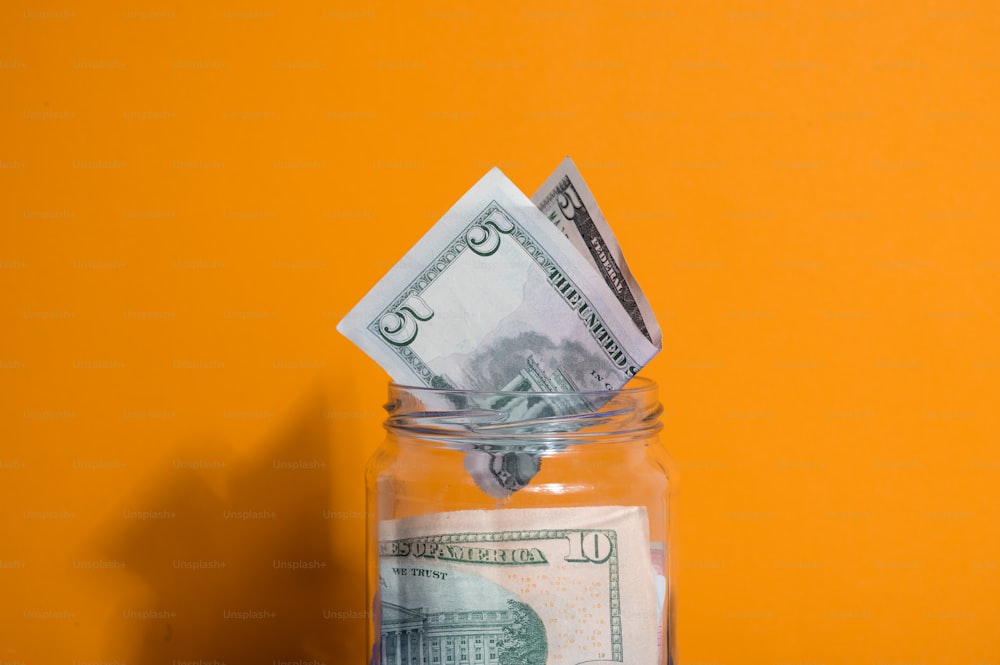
(235, 560)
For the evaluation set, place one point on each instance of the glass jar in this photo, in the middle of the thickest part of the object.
(520, 528)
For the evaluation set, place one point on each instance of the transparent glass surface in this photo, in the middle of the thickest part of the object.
(448, 450)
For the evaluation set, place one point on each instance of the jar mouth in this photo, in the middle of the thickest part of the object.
(486, 418)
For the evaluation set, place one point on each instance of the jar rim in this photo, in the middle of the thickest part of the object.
(518, 417)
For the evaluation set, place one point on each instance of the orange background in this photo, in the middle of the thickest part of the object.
(193, 194)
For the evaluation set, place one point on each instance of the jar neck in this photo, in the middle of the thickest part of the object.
(519, 418)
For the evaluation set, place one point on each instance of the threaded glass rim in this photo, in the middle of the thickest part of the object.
(502, 418)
